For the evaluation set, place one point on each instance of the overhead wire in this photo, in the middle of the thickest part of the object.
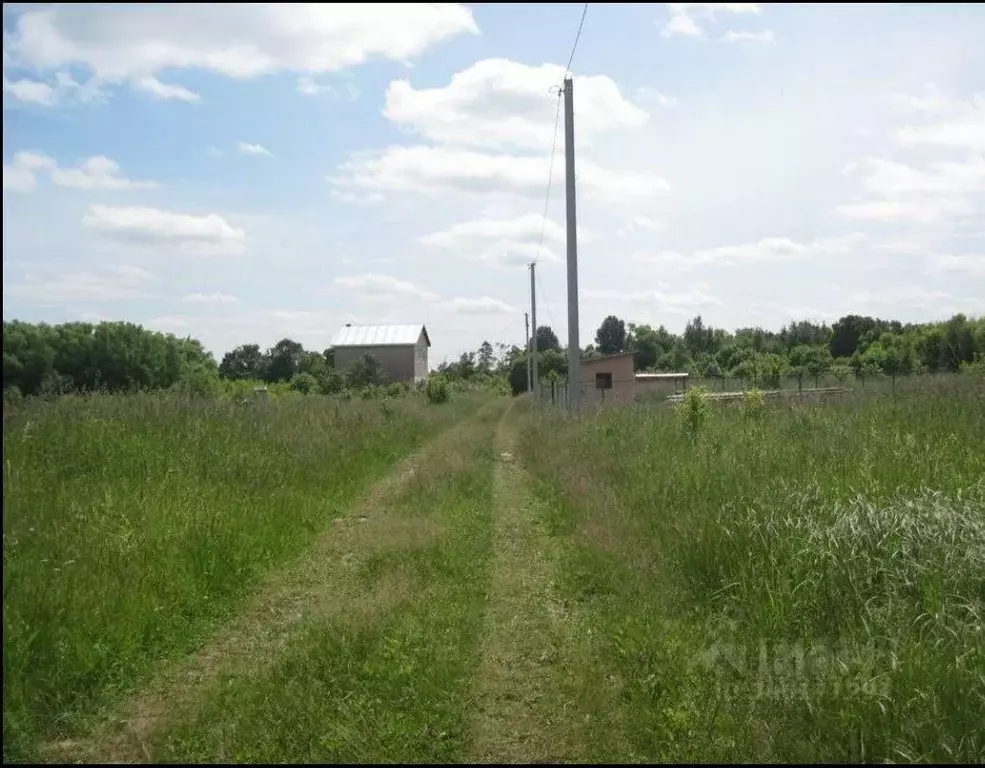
(557, 122)
(574, 47)
(550, 168)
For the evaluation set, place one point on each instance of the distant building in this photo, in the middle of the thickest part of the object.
(671, 383)
(608, 379)
(401, 349)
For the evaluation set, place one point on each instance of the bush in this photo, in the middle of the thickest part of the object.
(753, 403)
(199, 381)
(304, 383)
(437, 389)
(332, 383)
(694, 409)
(396, 389)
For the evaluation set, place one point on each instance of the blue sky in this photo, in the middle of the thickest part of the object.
(245, 173)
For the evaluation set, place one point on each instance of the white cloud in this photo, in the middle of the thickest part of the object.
(501, 103)
(175, 324)
(31, 91)
(442, 169)
(682, 24)
(664, 300)
(241, 41)
(482, 306)
(766, 36)
(508, 242)
(972, 264)
(61, 86)
(765, 250)
(384, 288)
(110, 284)
(683, 16)
(917, 211)
(352, 197)
(890, 178)
(308, 86)
(642, 224)
(210, 298)
(19, 176)
(94, 173)
(938, 191)
(646, 94)
(961, 124)
(255, 150)
(204, 233)
(910, 296)
(165, 91)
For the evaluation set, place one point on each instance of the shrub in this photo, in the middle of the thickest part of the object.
(304, 383)
(199, 381)
(396, 389)
(437, 389)
(753, 403)
(694, 409)
(332, 383)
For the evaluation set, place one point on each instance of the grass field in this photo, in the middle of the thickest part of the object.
(132, 525)
(489, 581)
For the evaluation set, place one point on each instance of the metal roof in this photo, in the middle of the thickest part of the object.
(645, 376)
(379, 336)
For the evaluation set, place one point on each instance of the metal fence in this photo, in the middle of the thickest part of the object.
(556, 392)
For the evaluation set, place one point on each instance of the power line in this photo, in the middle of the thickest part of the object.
(550, 178)
(547, 304)
(577, 38)
(557, 121)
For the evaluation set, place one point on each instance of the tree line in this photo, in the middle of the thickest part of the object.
(854, 345)
(42, 359)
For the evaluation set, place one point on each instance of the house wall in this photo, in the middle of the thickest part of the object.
(399, 362)
(623, 381)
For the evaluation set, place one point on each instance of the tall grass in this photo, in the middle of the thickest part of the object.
(132, 524)
(801, 582)
(387, 681)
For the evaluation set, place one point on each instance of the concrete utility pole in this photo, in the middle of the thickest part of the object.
(533, 339)
(526, 329)
(574, 348)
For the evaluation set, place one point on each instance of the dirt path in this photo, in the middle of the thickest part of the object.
(314, 585)
(519, 707)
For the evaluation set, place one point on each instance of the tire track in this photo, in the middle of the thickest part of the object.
(315, 585)
(520, 712)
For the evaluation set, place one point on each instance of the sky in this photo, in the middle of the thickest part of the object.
(245, 173)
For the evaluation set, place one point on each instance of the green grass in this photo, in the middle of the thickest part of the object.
(782, 581)
(805, 584)
(389, 682)
(133, 525)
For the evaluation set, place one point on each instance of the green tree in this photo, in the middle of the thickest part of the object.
(610, 338)
(546, 339)
(243, 362)
(283, 360)
(813, 361)
(486, 357)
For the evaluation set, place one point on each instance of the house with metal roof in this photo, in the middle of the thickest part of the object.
(401, 349)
